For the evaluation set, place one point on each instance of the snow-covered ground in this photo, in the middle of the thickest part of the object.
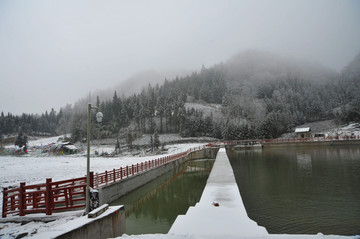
(207, 109)
(329, 129)
(347, 130)
(221, 189)
(35, 168)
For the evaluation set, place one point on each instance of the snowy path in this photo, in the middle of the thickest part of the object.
(202, 221)
(227, 219)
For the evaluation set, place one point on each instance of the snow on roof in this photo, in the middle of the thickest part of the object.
(302, 130)
(71, 147)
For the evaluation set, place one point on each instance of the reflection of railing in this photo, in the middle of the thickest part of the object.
(70, 194)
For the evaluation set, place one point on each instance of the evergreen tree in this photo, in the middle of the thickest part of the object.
(97, 101)
(21, 140)
(129, 140)
(156, 140)
(117, 146)
(152, 143)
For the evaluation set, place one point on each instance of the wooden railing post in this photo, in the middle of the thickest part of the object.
(121, 173)
(97, 180)
(22, 199)
(106, 177)
(48, 197)
(34, 198)
(92, 179)
(114, 174)
(4, 209)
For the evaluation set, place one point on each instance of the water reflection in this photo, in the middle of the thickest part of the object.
(154, 207)
(301, 190)
(304, 162)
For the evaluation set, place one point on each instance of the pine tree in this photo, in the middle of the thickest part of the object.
(152, 143)
(160, 108)
(21, 140)
(129, 141)
(97, 101)
(156, 140)
(117, 146)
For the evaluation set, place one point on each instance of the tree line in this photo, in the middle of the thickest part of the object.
(255, 102)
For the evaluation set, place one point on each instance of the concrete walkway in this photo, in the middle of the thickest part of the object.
(229, 218)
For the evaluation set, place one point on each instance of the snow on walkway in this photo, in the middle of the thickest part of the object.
(228, 218)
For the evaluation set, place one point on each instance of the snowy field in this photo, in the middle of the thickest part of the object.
(35, 168)
(34, 229)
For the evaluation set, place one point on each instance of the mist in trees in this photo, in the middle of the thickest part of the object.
(259, 95)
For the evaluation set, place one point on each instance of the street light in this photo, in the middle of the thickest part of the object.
(99, 117)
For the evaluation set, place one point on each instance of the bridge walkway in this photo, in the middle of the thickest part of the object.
(220, 210)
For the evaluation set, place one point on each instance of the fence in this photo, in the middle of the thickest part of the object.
(108, 177)
(70, 194)
(313, 139)
(46, 197)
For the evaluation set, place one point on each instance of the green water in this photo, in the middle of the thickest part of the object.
(154, 207)
(301, 190)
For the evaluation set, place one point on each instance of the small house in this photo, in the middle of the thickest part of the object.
(64, 148)
(302, 133)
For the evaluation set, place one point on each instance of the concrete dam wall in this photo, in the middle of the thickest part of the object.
(114, 191)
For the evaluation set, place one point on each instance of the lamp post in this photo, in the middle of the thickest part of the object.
(99, 117)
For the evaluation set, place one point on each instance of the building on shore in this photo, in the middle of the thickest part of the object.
(302, 133)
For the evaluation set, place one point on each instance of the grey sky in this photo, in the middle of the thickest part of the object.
(54, 52)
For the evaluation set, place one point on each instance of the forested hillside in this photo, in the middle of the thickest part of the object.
(260, 95)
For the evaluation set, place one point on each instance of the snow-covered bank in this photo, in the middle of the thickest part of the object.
(274, 236)
(329, 129)
(33, 170)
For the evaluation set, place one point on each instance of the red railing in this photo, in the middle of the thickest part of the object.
(70, 194)
(46, 197)
(314, 139)
(115, 175)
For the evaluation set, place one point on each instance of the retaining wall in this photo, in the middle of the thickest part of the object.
(110, 193)
(110, 224)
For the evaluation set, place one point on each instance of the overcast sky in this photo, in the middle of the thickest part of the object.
(55, 52)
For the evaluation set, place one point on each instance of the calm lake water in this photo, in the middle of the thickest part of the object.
(301, 190)
(154, 207)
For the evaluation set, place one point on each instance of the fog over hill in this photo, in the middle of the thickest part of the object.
(254, 94)
(136, 83)
(247, 67)
(255, 65)
(54, 52)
